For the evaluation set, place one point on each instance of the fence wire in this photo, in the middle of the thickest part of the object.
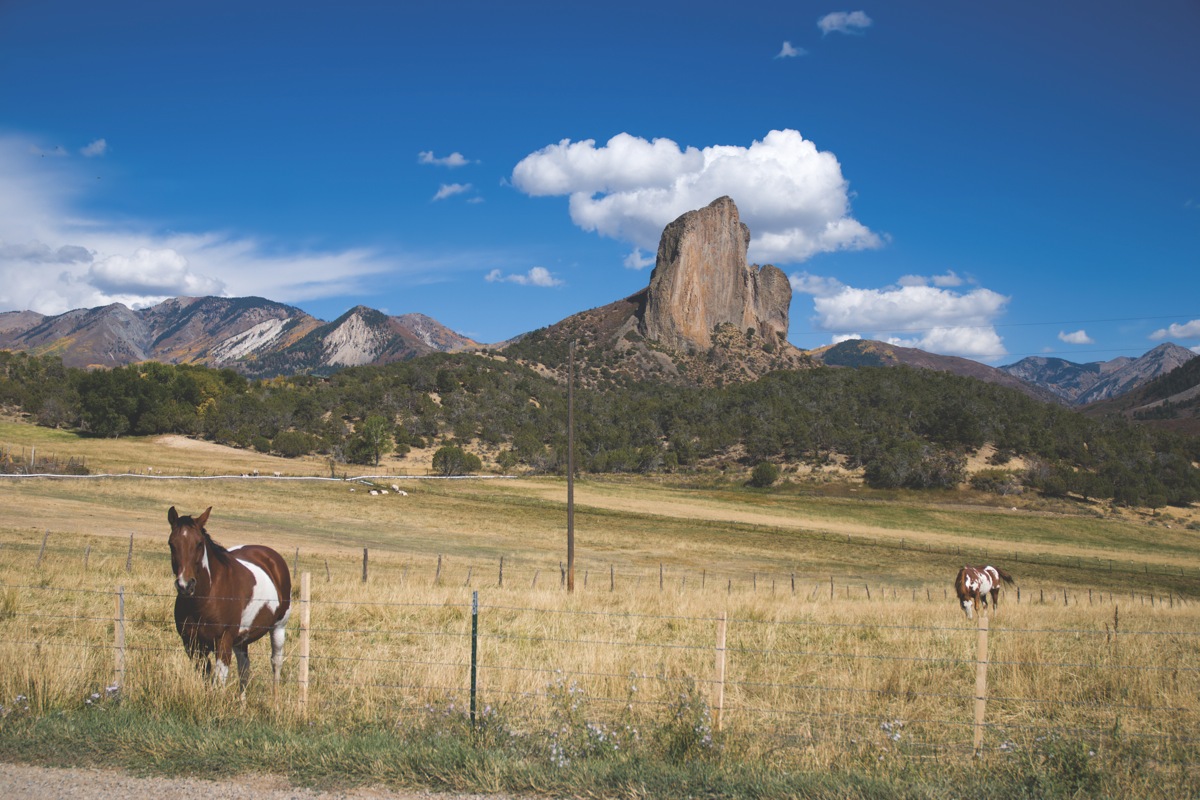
(854, 684)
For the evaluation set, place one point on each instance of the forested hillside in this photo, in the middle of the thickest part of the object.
(904, 427)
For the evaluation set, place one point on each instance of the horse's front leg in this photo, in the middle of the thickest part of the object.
(224, 656)
(243, 662)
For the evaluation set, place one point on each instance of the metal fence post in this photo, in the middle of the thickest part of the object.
(119, 641)
(474, 652)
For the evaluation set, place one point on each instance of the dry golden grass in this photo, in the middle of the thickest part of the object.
(810, 677)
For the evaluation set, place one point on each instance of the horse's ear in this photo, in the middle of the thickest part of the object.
(172, 516)
(203, 518)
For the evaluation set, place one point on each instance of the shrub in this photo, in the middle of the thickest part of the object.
(764, 474)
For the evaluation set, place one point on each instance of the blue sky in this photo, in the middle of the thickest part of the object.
(989, 180)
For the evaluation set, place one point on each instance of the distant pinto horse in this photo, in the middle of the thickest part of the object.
(974, 584)
(226, 599)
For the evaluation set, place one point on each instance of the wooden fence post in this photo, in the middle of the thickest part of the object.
(119, 641)
(328, 576)
(42, 552)
(129, 558)
(437, 575)
(305, 619)
(501, 572)
(87, 554)
(364, 565)
(719, 703)
(612, 578)
(296, 562)
(981, 662)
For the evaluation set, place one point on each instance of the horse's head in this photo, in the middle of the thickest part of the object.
(189, 552)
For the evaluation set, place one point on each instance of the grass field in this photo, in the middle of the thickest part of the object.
(827, 692)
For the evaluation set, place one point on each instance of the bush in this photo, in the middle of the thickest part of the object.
(764, 474)
(453, 460)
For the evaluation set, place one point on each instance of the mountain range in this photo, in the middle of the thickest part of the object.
(707, 317)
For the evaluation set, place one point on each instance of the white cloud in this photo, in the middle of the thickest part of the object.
(536, 276)
(1188, 330)
(53, 258)
(96, 148)
(635, 260)
(947, 281)
(451, 189)
(816, 285)
(928, 317)
(1076, 337)
(453, 160)
(844, 22)
(162, 273)
(792, 196)
(788, 51)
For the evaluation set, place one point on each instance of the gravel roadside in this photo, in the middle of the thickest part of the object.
(23, 782)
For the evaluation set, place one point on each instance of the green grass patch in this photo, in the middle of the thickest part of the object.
(447, 755)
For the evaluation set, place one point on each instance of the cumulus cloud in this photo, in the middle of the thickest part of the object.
(53, 258)
(96, 148)
(451, 189)
(150, 272)
(931, 318)
(1186, 330)
(536, 276)
(638, 260)
(791, 195)
(788, 51)
(453, 160)
(1075, 337)
(844, 22)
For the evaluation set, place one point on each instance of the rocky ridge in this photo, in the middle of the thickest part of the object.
(701, 280)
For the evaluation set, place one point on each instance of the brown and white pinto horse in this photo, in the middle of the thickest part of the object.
(227, 599)
(974, 584)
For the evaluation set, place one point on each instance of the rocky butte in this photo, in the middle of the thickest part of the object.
(701, 280)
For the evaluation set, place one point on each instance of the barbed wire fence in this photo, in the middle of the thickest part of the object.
(798, 681)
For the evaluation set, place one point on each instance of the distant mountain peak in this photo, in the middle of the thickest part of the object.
(257, 336)
(1080, 384)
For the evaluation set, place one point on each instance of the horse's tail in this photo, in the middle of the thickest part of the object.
(1004, 576)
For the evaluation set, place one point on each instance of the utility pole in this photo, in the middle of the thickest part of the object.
(571, 470)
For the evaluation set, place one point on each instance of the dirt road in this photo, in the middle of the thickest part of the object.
(21, 782)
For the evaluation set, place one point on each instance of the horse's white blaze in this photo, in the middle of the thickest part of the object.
(262, 593)
(180, 581)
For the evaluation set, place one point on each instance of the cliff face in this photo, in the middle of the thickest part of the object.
(701, 280)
